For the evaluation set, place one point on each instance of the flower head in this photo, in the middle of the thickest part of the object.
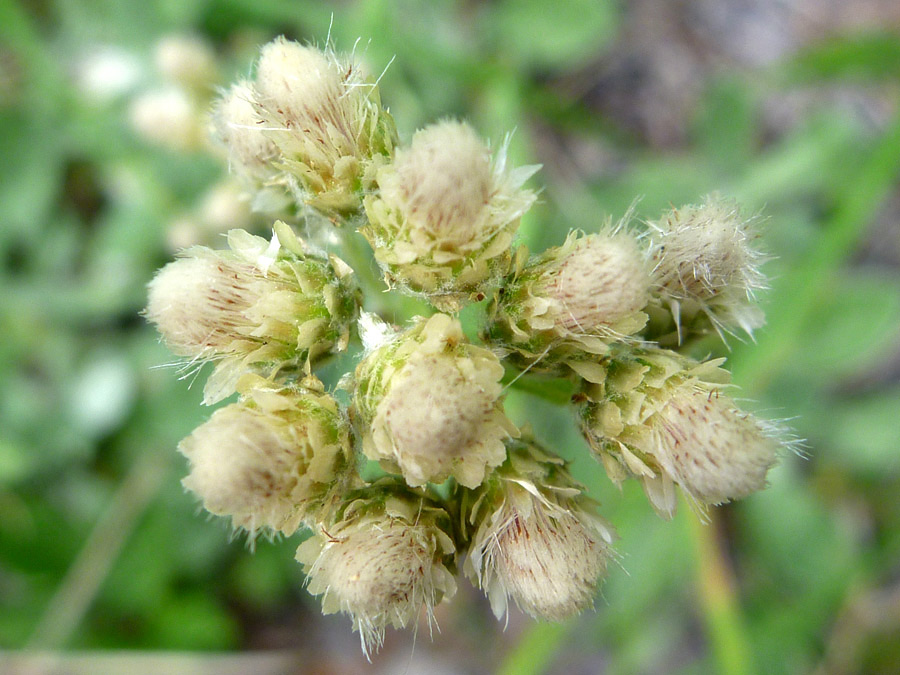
(445, 214)
(429, 405)
(667, 420)
(706, 268)
(239, 128)
(387, 556)
(270, 460)
(326, 118)
(572, 300)
(537, 538)
(262, 305)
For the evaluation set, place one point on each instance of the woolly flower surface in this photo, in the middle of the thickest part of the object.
(429, 405)
(262, 305)
(537, 538)
(666, 419)
(571, 300)
(269, 460)
(325, 116)
(445, 214)
(388, 556)
(238, 126)
(706, 268)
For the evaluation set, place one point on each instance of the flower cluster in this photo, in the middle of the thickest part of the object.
(453, 484)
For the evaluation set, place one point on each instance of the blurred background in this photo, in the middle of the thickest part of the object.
(790, 106)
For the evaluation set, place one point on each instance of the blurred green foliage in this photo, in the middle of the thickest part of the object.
(99, 546)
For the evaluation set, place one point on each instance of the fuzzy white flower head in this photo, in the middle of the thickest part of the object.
(537, 539)
(572, 299)
(663, 418)
(186, 60)
(269, 460)
(238, 127)
(444, 218)
(386, 559)
(706, 266)
(267, 305)
(429, 404)
(167, 117)
(326, 118)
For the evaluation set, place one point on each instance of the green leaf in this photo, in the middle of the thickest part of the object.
(560, 35)
(868, 56)
(863, 433)
(852, 328)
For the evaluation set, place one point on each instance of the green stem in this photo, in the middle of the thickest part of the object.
(720, 604)
(84, 577)
(535, 649)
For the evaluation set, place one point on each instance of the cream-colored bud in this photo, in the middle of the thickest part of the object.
(430, 404)
(269, 460)
(443, 182)
(537, 539)
(186, 60)
(599, 283)
(573, 299)
(713, 450)
(444, 218)
(665, 419)
(225, 207)
(326, 118)
(706, 267)
(238, 127)
(263, 306)
(168, 118)
(197, 301)
(383, 562)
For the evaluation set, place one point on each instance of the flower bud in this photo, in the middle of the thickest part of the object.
(269, 460)
(537, 538)
(706, 269)
(262, 305)
(388, 556)
(443, 220)
(573, 299)
(665, 419)
(224, 207)
(167, 118)
(326, 118)
(238, 126)
(186, 60)
(429, 405)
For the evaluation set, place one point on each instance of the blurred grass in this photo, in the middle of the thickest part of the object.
(85, 208)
